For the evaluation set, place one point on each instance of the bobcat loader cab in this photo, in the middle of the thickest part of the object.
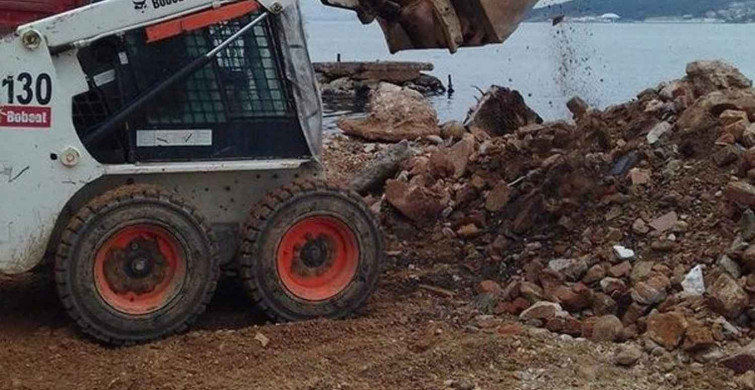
(145, 143)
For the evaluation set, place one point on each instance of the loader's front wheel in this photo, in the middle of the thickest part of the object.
(136, 264)
(311, 251)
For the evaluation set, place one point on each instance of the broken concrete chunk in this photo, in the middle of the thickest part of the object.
(730, 266)
(664, 222)
(594, 274)
(498, 197)
(620, 270)
(640, 227)
(543, 311)
(385, 166)
(697, 337)
(459, 154)
(415, 202)
(613, 286)
(657, 132)
(667, 329)
(572, 269)
(693, 283)
(727, 297)
(639, 176)
(737, 129)
(641, 271)
(732, 116)
(623, 253)
(651, 291)
(740, 192)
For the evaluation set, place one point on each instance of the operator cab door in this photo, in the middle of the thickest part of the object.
(238, 107)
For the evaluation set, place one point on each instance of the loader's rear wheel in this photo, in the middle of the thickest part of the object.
(311, 251)
(136, 264)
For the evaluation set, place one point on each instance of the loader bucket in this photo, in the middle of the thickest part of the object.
(428, 24)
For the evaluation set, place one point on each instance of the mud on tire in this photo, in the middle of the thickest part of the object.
(136, 264)
(311, 251)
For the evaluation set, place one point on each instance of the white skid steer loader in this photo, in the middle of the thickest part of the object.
(145, 143)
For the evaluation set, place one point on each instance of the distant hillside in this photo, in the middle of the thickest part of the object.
(733, 11)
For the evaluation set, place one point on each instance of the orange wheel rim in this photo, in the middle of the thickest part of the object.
(317, 258)
(139, 269)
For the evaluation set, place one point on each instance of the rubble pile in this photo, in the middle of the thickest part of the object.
(633, 222)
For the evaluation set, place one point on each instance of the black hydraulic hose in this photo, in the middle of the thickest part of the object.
(117, 120)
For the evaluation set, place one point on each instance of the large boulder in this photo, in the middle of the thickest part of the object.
(453, 161)
(740, 192)
(709, 76)
(543, 311)
(651, 291)
(417, 203)
(395, 114)
(501, 111)
(667, 329)
(727, 297)
(606, 328)
(704, 113)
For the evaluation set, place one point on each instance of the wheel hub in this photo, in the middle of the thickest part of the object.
(139, 269)
(315, 252)
(317, 258)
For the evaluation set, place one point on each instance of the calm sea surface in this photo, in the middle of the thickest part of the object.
(603, 63)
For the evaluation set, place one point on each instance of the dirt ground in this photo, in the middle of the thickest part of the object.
(406, 338)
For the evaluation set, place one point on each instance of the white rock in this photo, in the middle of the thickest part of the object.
(693, 283)
(656, 132)
(623, 253)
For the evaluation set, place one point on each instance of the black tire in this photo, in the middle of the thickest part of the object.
(92, 230)
(270, 221)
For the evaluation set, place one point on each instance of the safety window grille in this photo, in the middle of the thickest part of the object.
(244, 82)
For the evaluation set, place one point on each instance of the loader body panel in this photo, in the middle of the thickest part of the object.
(47, 173)
(36, 134)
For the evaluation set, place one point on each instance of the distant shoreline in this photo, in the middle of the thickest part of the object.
(658, 21)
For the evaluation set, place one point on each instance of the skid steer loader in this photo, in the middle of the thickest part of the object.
(146, 143)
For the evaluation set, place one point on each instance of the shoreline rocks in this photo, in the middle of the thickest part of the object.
(354, 79)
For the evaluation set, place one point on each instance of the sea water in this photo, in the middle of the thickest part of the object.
(605, 64)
